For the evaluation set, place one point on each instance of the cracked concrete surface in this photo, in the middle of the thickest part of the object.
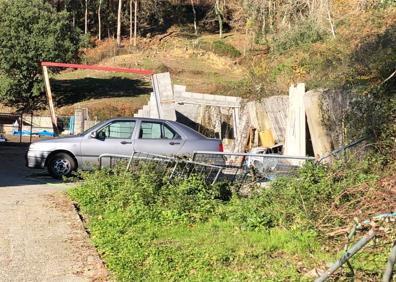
(41, 236)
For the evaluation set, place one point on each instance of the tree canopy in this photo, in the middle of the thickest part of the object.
(31, 32)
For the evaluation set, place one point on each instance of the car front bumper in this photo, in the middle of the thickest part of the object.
(36, 159)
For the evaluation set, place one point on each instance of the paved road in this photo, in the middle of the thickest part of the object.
(41, 236)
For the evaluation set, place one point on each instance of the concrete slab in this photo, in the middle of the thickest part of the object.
(164, 95)
(321, 139)
(295, 141)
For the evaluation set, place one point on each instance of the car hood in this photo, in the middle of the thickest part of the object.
(50, 143)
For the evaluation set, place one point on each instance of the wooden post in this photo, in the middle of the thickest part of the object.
(50, 101)
(20, 127)
(31, 127)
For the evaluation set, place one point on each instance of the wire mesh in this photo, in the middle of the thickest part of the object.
(245, 168)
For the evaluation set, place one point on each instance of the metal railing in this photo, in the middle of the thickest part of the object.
(165, 165)
(248, 167)
(214, 166)
(341, 150)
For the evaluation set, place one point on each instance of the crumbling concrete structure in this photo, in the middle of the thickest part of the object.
(214, 115)
(289, 120)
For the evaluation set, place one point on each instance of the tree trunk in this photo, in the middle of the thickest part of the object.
(86, 18)
(219, 15)
(135, 23)
(130, 21)
(195, 17)
(99, 21)
(330, 19)
(74, 20)
(119, 23)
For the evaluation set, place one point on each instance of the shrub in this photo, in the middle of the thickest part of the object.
(306, 33)
(224, 49)
(220, 48)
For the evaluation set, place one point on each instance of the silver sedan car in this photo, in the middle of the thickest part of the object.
(121, 136)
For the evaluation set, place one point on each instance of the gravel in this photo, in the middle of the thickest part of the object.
(41, 235)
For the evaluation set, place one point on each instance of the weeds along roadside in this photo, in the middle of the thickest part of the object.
(149, 228)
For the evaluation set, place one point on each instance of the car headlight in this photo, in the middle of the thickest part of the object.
(33, 146)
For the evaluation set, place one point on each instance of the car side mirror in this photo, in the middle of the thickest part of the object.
(93, 134)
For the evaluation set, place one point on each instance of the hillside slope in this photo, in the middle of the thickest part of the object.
(361, 55)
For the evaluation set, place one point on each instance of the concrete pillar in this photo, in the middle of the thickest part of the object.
(163, 91)
(295, 141)
(321, 139)
(236, 120)
(78, 121)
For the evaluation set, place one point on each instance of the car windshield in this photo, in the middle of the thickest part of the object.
(93, 128)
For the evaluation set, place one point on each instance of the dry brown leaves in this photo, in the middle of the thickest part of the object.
(364, 202)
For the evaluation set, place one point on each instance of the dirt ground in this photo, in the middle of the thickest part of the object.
(41, 235)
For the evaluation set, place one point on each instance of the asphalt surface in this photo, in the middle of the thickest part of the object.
(41, 235)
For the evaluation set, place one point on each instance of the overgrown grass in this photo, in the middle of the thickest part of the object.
(220, 48)
(149, 228)
(303, 34)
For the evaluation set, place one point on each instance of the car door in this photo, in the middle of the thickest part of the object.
(158, 137)
(113, 138)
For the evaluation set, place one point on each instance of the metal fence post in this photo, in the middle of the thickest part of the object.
(348, 254)
(217, 176)
(390, 264)
(130, 161)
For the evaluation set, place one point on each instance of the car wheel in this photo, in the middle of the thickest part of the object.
(61, 164)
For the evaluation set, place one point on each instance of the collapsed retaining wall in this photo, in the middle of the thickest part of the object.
(294, 121)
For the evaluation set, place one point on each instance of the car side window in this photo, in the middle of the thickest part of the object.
(119, 130)
(156, 130)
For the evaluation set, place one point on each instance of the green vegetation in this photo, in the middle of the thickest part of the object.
(220, 48)
(31, 32)
(304, 34)
(149, 228)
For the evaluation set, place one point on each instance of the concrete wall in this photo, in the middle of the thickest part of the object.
(321, 139)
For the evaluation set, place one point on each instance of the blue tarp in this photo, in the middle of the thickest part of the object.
(39, 133)
(71, 125)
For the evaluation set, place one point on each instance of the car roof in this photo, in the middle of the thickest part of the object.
(188, 131)
(140, 118)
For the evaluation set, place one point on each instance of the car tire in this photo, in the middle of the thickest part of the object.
(61, 164)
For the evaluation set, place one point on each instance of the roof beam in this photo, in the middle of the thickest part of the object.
(99, 68)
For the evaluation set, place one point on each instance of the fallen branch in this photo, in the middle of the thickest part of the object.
(389, 77)
(166, 35)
